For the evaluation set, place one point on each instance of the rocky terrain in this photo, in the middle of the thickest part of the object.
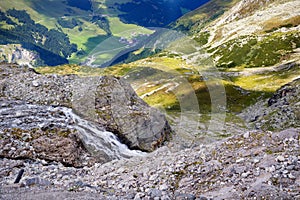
(253, 165)
(16, 54)
(92, 137)
(49, 151)
(279, 112)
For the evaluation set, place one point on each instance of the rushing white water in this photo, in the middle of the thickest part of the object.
(100, 142)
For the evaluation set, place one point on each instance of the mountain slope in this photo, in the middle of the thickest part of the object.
(249, 34)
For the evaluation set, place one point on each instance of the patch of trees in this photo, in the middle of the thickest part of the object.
(21, 15)
(69, 23)
(3, 17)
(102, 23)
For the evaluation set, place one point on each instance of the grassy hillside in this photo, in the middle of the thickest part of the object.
(252, 65)
(87, 23)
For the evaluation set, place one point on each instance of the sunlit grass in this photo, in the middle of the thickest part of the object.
(268, 81)
(120, 29)
(81, 38)
(71, 69)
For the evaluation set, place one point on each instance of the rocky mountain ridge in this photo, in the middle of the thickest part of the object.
(279, 112)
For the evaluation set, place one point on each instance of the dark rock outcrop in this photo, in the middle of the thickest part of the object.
(279, 112)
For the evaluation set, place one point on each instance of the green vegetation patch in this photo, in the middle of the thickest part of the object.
(268, 81)
(250, 51)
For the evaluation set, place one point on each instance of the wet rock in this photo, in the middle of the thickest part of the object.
(42, 133)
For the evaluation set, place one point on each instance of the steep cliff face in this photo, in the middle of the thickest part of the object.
(107, 102)
(14, 53)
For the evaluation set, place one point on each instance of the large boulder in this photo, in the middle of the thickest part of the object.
(107, 100)
(121, 111)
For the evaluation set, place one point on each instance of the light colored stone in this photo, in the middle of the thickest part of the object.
(240, 160)
(280, 158)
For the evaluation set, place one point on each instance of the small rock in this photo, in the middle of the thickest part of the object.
(139, 196)
(291, 176)
(37, 181)
(130, 196)
(153, 177)
(271, 169)
(280, 158)
(163, 187)
(244, 175)
(246, 135)
(240, 160)
(35, 83)
(285, 172)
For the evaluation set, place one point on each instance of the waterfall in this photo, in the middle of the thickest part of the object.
(99, 141)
